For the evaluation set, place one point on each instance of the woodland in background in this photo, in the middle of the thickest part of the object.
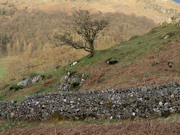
(27, 37)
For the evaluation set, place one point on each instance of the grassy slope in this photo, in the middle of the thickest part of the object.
(131, 54)
(135, 67)
(3, 66)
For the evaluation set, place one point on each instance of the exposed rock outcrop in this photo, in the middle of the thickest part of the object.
(173, 20)
(71, 82)
(29, 81)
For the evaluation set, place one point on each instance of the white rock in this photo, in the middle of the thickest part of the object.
(160, 103)
(12, 114)
(25, 82)
(166, 36)
(169, 20)
(133, 114)
(64, 100)
(36, 79)
(74, 63)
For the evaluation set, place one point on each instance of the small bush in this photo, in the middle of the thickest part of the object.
(16, 87)
(112, 61)
(75, 84)
(134, 37)
(13, 79)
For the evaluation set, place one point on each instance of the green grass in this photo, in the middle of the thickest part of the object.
(134, 49)
(3, 67)
(2, 72)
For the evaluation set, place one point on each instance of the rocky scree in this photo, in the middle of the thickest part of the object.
(145, 102)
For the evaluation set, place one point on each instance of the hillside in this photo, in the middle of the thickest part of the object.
(142, 60)
(157, 10)
(131, 84)
(22, 35)
(25, 40)
(150, 59)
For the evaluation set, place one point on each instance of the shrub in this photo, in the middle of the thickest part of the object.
(134, 37)
(112, 61)
(16, 87)
(75, 84)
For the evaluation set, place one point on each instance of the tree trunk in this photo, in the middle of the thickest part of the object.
(92, 50)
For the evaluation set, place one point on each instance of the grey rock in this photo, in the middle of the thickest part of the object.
(167, 36)
(71, 81)
(36, 79)
(25, 82)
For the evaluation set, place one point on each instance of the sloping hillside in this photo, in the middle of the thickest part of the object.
(23, 35)
(151, 59)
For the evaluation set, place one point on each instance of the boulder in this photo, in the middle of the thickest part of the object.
(36, 79)
(25, 82)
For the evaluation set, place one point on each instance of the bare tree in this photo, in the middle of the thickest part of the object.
(87, 26)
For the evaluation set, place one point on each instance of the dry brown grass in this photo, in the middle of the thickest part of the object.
(48, 82)
(41, 61)
(141, 128)
(128, 7)
(139, 73)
